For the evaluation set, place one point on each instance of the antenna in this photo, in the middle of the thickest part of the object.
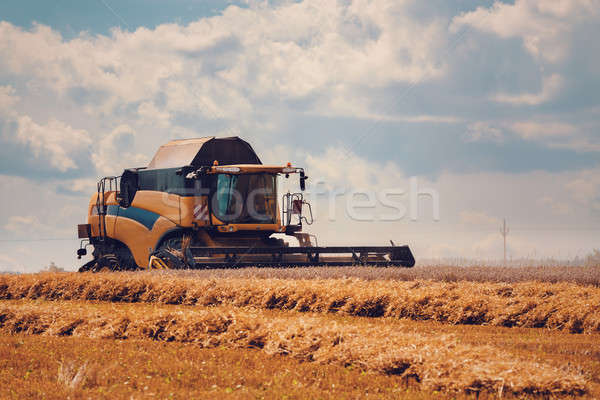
(504, 232)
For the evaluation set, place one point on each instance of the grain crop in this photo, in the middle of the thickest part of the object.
(539, 273)
(438, 362)
(561, 306)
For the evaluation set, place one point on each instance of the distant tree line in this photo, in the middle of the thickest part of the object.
(593, 259)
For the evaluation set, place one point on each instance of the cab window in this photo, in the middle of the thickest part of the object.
(246, 198)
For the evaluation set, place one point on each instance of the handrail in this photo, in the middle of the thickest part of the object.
(288, 200)
(101, 206)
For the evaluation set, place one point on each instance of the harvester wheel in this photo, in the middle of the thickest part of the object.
(113, 257)
(88, 266)
(166, 260)
(173, 253)
(107, 263)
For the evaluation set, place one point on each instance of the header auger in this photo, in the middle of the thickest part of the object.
(210, 203)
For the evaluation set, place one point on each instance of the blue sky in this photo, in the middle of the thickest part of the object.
(71, 17)
(492, 104)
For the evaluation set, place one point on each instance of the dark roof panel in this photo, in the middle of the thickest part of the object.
(203, 152)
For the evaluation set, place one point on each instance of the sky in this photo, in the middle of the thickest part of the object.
(491, 106)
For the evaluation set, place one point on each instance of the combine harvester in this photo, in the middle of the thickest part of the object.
(210, 203)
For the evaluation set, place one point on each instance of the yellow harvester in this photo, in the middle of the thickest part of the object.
(209, 203)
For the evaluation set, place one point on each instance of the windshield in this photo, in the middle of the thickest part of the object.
(246, 198)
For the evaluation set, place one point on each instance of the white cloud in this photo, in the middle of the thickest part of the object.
(79, 186)
(556, 207)
(580, 144)
(25, 224)
(116, 151)
(437, 119)
(548, 132)
(488, 244)
(585, 188)
(11, 264)
(31, 226)
(152, 115)
(341, 168)
(478, 218)
(33, 211)
(219, 66)
(543, 26)
(551, 86)
(540, 130)
(7, 100)
(56, 141)
(491, 247)
(342, 103)
(482, 131)
(556, 134)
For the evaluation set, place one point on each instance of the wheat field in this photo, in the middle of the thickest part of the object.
(436, 361)
(63, 367)
(484, 273)
(453, 337)
(562, 306)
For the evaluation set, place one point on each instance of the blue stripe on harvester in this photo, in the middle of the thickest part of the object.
(144, 217)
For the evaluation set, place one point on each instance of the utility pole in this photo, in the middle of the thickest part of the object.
(504, 232)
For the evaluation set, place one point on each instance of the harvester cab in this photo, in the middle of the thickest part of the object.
(209, 203)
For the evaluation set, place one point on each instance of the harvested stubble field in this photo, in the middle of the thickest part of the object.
(58, 368)
(439, 362)
(445, 337)
(562, 306)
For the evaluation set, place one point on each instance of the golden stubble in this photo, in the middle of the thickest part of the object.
(561, 306)
(437, 362)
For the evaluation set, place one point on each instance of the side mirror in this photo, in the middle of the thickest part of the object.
(129, 186)
(124, 196)
(303, 179)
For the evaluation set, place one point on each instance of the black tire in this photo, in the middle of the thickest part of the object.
(170, 250)
(107, 263)
(170, 259)
(87, 266)
(110, 255)
(126, 260)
